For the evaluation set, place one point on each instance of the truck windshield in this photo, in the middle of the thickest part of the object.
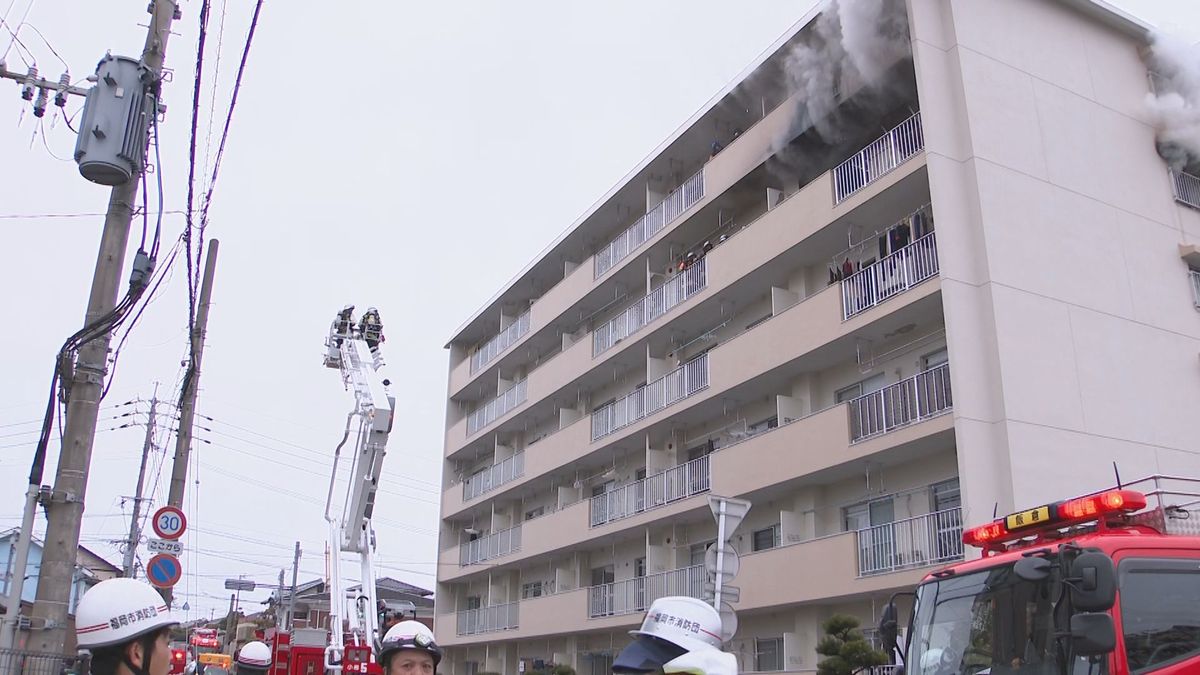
(991, 623)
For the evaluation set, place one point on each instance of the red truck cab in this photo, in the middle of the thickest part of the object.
(1104, 584)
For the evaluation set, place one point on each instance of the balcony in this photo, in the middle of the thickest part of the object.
(683, 198)
(648, 399)
(915, 542)
(489, 619)
(890, 276)
(635, 595)
(497, 407)
(1186, 188)
(658, 302)
(678, 482)
(491, 546)
(877, 159)
(505, 339)
(494, 476)
(925, 395)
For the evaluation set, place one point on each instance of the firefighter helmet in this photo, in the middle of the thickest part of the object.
(255, 654)
(707, 661)
(673, 627)
(409, 635)
(118, 610)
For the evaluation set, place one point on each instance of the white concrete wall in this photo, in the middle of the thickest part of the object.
(1072, 336)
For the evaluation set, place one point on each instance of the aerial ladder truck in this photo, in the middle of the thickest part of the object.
(353, 349)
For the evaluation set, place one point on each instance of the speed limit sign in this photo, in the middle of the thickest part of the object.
(169, 522)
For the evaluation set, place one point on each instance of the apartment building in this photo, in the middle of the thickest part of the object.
(893, 292)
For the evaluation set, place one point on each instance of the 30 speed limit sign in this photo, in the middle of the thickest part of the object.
(169, 522)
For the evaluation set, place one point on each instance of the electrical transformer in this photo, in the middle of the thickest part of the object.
(112, 135)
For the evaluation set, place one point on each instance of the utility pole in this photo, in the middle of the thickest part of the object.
(231, 625)
(279, 603)
(187, 407)
(64, 505)
(291, 613)
(135, 530)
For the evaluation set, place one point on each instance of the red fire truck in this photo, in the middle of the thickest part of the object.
(1103, 584)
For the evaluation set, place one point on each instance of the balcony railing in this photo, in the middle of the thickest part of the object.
(658, 302)
(489, 619)
(917, 398)
(494, 476)
(884, 154)
(1194, 277)
(497, 407)
(915, 542)
(651, 492)
(501, 341)
(682, 199)
(635, 595)
(1186, 188)
(648, 399)
(891, 276)
(491, 546)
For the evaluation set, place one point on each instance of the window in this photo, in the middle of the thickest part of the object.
(534, 513)
(696, 552)
(767, 424)
(1159, 598)
(766, 538)
(768, 654)
(873, 383)
(471, 667)
(600, 662)
(946, 495)
(869, 514)
(534, 589)
(473, 601)
(935, 359)
(1194, 277)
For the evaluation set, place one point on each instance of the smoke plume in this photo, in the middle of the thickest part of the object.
(1174, 105)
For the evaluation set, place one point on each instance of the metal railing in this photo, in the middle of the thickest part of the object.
(649, 398)
(494, 476)
(1194, 277)
(1186, 188)
(914, 542)
(497, 407)
(884, 154)
(651, 492)
(635, 595)
(891, 276)
(926, 394)
(489, 619)
(22, 662)
(653, 305)
(490, 546)
(680, 200)
(499, 342)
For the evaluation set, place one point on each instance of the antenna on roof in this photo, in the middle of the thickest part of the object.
(995, 510)
(1118, 475)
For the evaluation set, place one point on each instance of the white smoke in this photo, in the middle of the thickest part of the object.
(1174, 105)
(853, 43)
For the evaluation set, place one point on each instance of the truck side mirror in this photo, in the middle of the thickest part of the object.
(888, 629)
(1093, 582)
(1033, 568)
(1092, 634)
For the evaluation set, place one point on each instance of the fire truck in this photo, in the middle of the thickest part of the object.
(352, 348)
(1103, 584)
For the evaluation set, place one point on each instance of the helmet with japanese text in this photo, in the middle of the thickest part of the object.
(116, 611)
(673, 626)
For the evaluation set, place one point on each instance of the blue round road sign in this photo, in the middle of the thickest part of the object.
(164, 570)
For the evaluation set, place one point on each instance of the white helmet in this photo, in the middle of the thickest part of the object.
(409, 635)
(255, 654)
(673, 627)
(116, 611)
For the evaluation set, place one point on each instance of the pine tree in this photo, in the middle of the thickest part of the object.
(845, 649)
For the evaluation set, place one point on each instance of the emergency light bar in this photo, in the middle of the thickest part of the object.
(1053, 516)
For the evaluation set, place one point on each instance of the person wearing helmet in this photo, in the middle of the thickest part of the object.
(254, 658)
(409, 649)
(678, 635)
(126, 626)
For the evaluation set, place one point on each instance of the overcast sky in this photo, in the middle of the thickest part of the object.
(412, 156)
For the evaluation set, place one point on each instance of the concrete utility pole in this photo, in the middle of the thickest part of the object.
(64, 506)
(279, 603)
(135, 530)
(187, 408)
(291, 613)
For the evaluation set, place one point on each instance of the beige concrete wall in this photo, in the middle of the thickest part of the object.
(1073, 339)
